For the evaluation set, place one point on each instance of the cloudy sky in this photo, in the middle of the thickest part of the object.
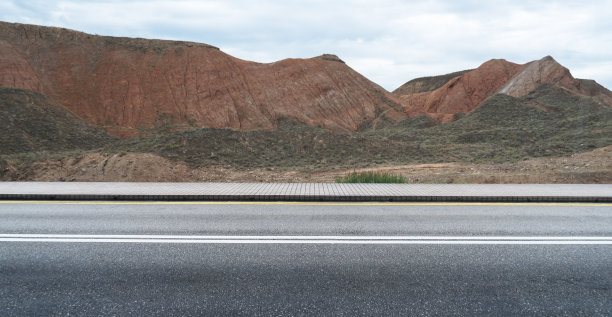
(388, 41)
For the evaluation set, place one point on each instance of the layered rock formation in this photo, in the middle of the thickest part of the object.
(135, 86)
(465, 92)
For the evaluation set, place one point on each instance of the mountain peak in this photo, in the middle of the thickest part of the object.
(548, 71)
(536, 73)
(330, 57)
(548, 58)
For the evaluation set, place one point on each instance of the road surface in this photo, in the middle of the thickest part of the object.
(160, 259)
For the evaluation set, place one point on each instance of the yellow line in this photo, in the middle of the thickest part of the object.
(294, 203)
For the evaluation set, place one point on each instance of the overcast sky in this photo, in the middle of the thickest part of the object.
(388, 41)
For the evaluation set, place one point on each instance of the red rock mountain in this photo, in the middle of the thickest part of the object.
(130, 86)
(465, 92)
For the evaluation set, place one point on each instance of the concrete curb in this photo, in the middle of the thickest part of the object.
(306, 192)
(546, 199)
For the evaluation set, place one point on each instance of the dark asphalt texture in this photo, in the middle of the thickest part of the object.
(65, 279)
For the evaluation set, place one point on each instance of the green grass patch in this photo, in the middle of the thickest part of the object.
(372, 177)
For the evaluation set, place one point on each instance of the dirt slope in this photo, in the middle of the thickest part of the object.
(461, 94)
(138, 86)
(590, 167)
(30, 122)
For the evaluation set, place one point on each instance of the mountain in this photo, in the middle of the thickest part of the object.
(462, 93)
(133, 86)
(137, 87)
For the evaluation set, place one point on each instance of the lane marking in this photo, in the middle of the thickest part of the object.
(472, 242)
(300, 237)
(216, 239)
(294, 203)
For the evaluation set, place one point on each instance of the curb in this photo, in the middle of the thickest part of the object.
(70, 197)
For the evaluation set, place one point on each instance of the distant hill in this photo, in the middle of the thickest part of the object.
(465, 92)
(30, 122)
(549, 121)
(138, 87)
(134, 86)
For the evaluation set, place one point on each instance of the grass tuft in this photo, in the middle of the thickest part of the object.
(371, 177)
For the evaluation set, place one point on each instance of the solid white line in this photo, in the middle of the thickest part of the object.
(301, 237)
(230, 241)
(182, 239)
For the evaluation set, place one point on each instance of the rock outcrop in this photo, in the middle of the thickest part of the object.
(465, 92)
(136, 86)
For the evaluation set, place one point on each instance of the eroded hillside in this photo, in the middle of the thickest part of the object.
(193, 110)
(137, 87)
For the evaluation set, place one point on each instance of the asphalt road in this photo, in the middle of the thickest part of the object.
(305, 259)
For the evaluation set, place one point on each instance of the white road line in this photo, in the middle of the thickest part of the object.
(184, 239)
(159, 241)
(301, 237)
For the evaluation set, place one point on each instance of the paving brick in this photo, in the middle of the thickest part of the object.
(307, 191)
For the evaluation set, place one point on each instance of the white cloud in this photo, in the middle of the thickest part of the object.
(389, 41)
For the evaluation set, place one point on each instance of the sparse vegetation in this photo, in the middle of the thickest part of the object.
(371, 177)
(548, 122)
(30, 122)
(504, 129)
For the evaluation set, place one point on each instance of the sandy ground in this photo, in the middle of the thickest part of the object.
(589, 167)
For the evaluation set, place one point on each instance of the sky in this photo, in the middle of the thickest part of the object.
(388, 41)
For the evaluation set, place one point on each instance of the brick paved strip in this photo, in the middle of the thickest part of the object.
(307, 192)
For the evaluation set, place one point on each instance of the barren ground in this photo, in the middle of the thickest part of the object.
(590, 167)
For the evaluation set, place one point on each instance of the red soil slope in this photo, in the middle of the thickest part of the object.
(132, 86)
(464, 93)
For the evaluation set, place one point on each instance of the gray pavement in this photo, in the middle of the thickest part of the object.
(131, 278)
(307, 192)
(262, 219)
